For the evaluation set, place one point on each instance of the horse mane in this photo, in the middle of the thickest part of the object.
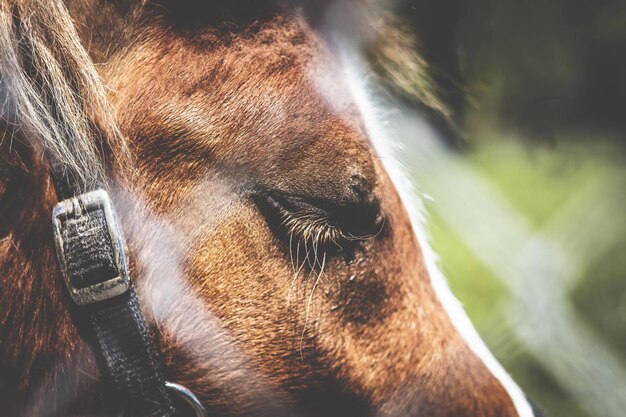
(52, 104)
(53, 96)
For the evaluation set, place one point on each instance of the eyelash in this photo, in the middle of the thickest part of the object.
(311, 228)
(317, 229)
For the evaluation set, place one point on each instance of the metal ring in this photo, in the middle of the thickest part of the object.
(188, 397)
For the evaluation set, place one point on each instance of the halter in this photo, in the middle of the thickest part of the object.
(91, 254)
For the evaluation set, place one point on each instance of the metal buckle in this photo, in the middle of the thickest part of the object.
(90, 248)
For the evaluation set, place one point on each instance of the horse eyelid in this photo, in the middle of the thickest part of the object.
(301, 219)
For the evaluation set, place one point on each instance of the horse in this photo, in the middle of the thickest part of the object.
(276, 254)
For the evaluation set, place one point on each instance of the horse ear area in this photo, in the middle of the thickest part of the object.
(415, 56)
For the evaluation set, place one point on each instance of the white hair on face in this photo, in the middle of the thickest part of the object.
(384, 147)
(175, 305)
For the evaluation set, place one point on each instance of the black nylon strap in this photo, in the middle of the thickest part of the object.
(129, 357)
(121, 335)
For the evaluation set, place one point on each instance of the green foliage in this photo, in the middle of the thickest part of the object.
(540, 185)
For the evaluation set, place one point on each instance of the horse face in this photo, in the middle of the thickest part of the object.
(269, 246)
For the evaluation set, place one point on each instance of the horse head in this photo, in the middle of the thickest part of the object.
(274, 257)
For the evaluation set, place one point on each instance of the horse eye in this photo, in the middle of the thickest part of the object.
(317, 224)
(307, 222)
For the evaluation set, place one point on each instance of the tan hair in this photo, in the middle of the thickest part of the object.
(53, 95)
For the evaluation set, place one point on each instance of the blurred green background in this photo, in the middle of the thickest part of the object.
(525, 237)
(528, 215)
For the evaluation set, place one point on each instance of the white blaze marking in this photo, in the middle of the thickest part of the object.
(384, 145)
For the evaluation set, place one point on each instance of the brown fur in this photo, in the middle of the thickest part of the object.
(217, 114)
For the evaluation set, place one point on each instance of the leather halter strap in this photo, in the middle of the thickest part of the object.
(91, 254)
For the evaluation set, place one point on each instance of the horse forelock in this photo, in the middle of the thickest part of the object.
(52, 96)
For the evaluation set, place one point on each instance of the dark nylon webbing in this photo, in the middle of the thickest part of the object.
(123, 341)
(130, 357)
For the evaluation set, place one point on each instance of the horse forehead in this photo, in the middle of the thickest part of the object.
(285, 69)
(278, 92)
